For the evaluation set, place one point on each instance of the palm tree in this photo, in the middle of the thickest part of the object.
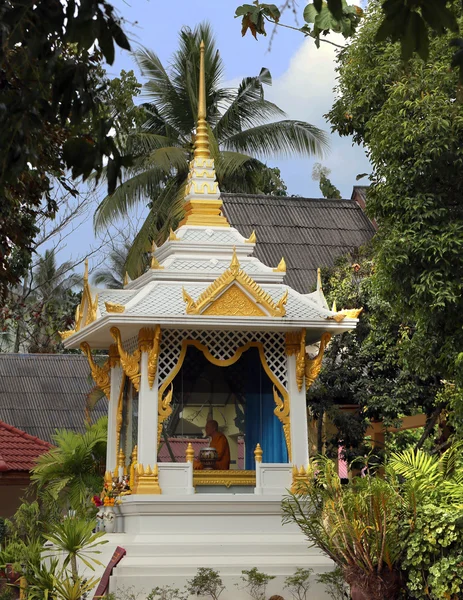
(241, 135)
(112, 276)
(69, 473)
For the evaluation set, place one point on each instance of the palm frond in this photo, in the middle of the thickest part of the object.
(413, 463)
(282, 138)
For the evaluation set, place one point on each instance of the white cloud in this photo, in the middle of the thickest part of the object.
(305, 92)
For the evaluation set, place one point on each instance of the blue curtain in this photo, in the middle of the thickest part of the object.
(261, 424)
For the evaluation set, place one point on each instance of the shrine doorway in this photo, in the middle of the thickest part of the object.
(239, 397)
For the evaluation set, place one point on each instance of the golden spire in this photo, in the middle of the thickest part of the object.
(235, 263)
(252, 238)
(86, 271)
(203, 205)
(190, 453)
(258, 454)
(202, 136)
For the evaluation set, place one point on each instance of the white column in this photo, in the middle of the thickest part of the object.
(147, 416)
(298, 417)
(111, 450)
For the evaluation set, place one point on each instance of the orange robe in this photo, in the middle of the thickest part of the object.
(220, 443)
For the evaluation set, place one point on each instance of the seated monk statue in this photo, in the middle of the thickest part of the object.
(220, 443)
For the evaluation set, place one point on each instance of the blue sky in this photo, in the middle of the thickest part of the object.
(303, 81)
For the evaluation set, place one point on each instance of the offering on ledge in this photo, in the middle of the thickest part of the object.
(208, 457)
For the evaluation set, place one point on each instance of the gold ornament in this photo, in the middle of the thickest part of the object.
(292, 342)
(258, 454)
(86, 312)
(100, 375)
(147, 480)
(313, 365)
(281, 268)
(260, 302)
(149, 340)
(113, 307)
(252, 239)
(130, 362)
(190, 453)
(301, 362)
(155, 264)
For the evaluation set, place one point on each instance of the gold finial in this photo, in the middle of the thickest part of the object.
(251, 239)
(86, 271)
(126, 279)
(258, 454)
(281, 267)
(333, 308)
(155, 264)
(190, 453)
(319, 279)
(172, 236)
(121, 458)
(235, 263)
(202, 137)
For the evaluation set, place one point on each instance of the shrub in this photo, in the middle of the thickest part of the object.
(206, 582)
(256, 583)
(299, 583)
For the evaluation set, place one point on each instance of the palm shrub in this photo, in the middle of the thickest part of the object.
(69, 473)
(244, 129)
(357, 526)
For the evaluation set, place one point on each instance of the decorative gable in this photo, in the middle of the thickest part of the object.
(235, 293)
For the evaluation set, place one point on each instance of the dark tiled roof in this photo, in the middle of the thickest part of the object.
(308, 232)
(43, 392)
(18, 449)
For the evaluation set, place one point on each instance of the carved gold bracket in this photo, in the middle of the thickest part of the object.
(120, 408)
(349, 313)
(113, 307)
(149, 340)
(313, 365)
(100, 375)
(300, 361)
(130, 362)
(256, 303)
(282, 413)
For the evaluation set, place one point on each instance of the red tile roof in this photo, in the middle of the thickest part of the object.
(18, 449)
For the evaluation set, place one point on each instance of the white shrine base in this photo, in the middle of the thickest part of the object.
(168, 538)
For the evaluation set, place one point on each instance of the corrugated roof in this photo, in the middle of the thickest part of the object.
(308, 232)
(43, 392)
(18, 450)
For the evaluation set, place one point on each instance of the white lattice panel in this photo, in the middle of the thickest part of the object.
(210, 235)
(208, 265)
(223, 345)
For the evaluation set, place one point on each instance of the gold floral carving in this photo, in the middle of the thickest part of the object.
(113, 307)
(149, 340)
(281, 396)
(282, 412)
(235, 274)
(226, 478)
(313, 365)
(235, 303)
(86, 312)
(100, 375)
(164, 408)
(301, 361)
(130, 362)
(119, 415)
(281, 268)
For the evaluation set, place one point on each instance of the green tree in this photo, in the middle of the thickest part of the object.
(410, 119)
(363, 367)
(112, 275)
(320, 173)
(50, 112)
(70, 472)
(269, 182)
(241, 130)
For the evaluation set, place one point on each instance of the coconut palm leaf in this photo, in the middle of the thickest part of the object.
(412, 464)
(241, 136)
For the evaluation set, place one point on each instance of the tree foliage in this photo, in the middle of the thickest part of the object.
(364, 367)
(410, 119)
(321, 174)
(50, 111)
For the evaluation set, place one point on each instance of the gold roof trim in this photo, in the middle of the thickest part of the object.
(86, 311)
(155, 264)
(233, 274)
(349, 313)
